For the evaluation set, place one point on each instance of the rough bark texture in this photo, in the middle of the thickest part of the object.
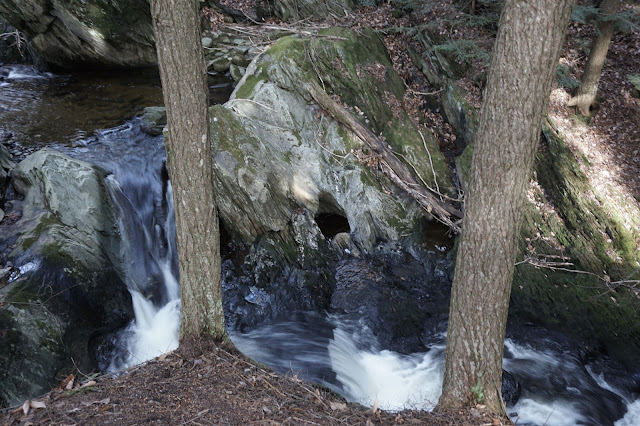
(183, 75)
(526, 52)
(585, 96)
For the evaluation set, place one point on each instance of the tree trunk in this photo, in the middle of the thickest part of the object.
(585, 96)
(525, 56)
(184, 84)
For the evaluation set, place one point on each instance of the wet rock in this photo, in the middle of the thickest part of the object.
(6, 165)
(220, 64)
(207, 42)
(275, 280)
(237, 72)
(69, 259)
(510, 389)
(31, 353)
(396, 296)
(153, 120)
(86, 34)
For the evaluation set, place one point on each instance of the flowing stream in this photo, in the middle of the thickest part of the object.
(557, 387)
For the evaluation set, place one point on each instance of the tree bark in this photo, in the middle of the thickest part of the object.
(585, 96)
(525, 56)
(189, 160)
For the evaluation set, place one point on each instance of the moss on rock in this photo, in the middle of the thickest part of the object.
(583, 230)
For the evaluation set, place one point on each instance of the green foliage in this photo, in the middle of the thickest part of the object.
(635, 80)
(564, 79)
(367, 2)
(584, 14)
(627, 20)
(444, 20)
(478, 391)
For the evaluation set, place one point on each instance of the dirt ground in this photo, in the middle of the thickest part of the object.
(204, 383)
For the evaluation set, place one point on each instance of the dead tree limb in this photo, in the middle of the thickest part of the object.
(396, 170)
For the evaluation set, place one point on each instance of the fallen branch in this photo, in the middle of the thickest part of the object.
(390, 165)
(542, 261)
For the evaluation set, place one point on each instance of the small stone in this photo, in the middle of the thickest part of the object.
(241, 49)
(153, 120)
(220, 64)
(207, 42)
(240, 60)
(237, 72)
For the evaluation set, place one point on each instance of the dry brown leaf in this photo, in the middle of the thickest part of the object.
(65, 383)
(338, 406)
(38, 404)
(89, 383)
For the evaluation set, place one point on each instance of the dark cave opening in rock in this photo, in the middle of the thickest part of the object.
(330, 217)
(331, 224)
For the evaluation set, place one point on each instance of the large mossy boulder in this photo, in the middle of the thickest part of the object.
(67, 286)
(570, 222)
(79, 34)
(6, 165)
(277, 151)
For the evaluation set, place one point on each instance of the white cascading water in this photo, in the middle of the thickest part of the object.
(396, 381)
(566, 393)
(144, 201)
(155, 329)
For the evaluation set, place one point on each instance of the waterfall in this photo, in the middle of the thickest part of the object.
(143, 197)
(151, 274)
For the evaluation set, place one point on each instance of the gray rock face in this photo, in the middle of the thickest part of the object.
(67, 199)
(71, 34)
(276, 151)
(31, 353)
(68, 289)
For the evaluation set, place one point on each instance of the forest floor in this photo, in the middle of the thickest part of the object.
(207, 383)
(203, 383)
